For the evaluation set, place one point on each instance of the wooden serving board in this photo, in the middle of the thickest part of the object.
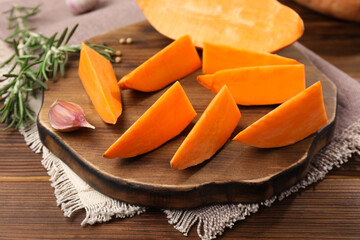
(237, 173)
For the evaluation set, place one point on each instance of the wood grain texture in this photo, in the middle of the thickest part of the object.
(327, 210)
(237, 173)
(17, 164)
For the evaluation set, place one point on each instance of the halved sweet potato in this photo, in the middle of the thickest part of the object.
(98, 78)
(165, 119)
(264, 26)
(289, 123)
(219, 57)
(263, 85)
(175, 61)
(210, 132)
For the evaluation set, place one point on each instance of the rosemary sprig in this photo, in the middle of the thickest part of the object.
(36, 58)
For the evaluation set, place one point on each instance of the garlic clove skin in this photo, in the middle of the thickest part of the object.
(81, 6)
(67, 116)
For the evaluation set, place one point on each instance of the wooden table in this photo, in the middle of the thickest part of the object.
(329, 209)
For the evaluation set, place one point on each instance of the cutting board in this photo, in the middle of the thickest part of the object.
(236, 173)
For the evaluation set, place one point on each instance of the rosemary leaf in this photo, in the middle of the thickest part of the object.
(38, 58)
(71, 33)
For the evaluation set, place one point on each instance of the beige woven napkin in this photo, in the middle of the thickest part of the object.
(73, 193)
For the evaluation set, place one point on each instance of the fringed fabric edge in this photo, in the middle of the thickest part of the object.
(67, 196)
(65, 192)
(105, 211)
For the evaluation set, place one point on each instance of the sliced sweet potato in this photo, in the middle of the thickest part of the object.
(175, 61)
(99, 80)
(289, 123)
(165, 119)
(258, 85)
(210, 132)
(264, 26)
(219, 57)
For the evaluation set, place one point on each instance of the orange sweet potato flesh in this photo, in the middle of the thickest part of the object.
(210, 132)
(258, 85)
(264, 26)
(175, 61)
(165, 119)
(289, 123)
(99, 80)
(220, 57)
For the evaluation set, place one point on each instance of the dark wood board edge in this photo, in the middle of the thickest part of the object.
(150, 196)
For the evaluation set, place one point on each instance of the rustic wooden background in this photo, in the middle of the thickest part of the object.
(327, 210)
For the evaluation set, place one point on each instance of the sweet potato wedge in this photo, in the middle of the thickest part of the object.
(210, 132)
(219, 57)
(289, 123)
(98, 78)
(263, 85)
(173, 62)
(165, 119)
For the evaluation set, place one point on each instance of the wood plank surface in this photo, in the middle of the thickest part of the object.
(327, 210)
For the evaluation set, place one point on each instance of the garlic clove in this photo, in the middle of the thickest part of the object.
(81, 6)
(67, 116)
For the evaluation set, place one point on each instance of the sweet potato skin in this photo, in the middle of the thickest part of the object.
(342, 9)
